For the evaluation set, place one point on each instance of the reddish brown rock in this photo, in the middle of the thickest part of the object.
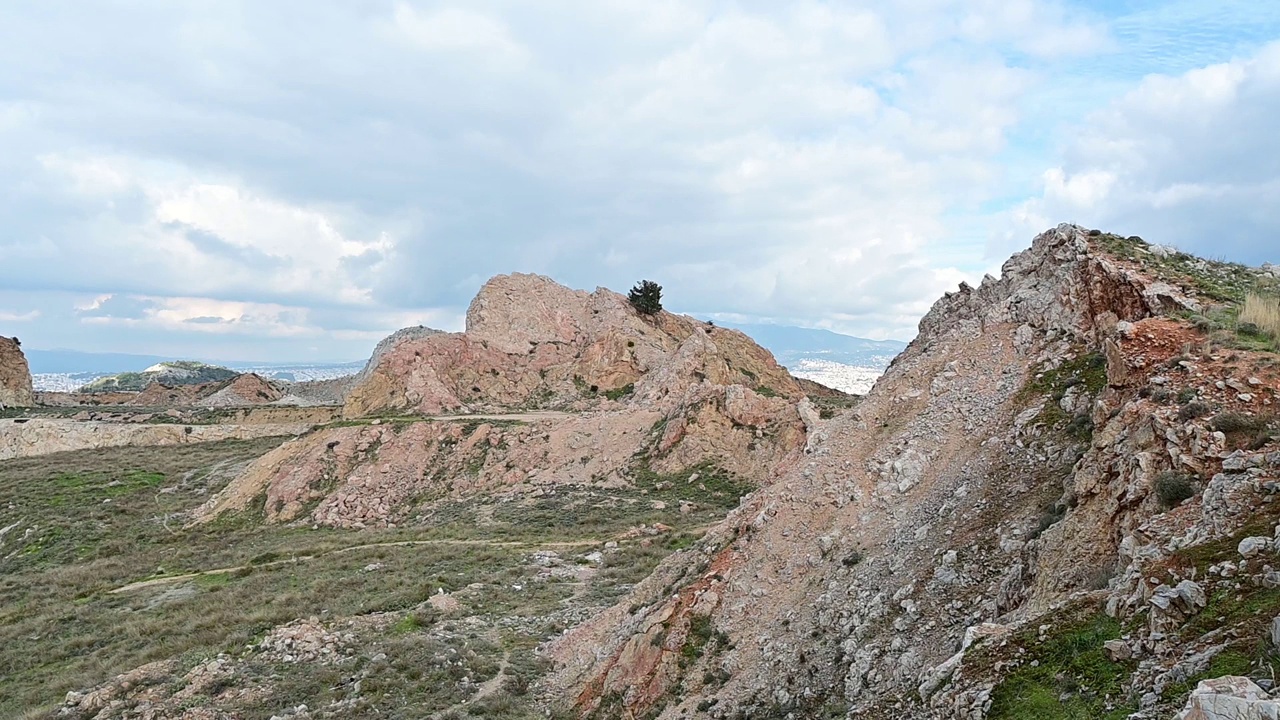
(531, 343)
(15, 375)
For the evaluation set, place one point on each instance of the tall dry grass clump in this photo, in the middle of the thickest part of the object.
(1263, 312)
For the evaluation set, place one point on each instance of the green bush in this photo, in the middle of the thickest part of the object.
(1172, 488)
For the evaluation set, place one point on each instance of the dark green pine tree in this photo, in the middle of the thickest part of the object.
(646, 297)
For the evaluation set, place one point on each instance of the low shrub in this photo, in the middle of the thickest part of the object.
(1193, 410)
(1173, 487)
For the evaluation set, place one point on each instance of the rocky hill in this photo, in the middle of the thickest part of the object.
(574, 389)
(1056, 503)
(15, 376)
(172, 373)
(533, 344)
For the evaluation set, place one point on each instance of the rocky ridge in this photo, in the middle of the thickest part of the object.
(575, 389)
(1040, 465)
(15, 375)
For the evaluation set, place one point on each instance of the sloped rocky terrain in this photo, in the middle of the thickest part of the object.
(478, 493)
(1037, 512)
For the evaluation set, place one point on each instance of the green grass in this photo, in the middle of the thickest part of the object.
(1217, 281)
(1088, 371)
(1074, 679)
(89, 522)
(621, 392)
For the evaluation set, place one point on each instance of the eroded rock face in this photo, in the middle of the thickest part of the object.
(15, 375)
(992, 474)
(531, 343)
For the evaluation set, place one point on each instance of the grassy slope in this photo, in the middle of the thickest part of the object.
(90, 522)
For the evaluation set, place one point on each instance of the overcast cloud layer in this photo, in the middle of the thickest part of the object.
(293, 180)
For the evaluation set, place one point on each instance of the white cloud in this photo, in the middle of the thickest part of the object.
(12, 316)
(454, 29)
(1187, 160)
(208, 236)
(342, 168)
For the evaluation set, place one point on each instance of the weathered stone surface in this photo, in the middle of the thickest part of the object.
(1229, 698)
(1253, 546)
(687, 393)
(15, 375)
(532, 343)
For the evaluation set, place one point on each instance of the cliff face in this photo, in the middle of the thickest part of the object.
(1012, 469)
(15, 375)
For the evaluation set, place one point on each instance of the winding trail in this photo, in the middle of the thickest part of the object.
(170, 579)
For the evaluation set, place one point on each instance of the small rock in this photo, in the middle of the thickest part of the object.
(1117, 650)
(1252, 546)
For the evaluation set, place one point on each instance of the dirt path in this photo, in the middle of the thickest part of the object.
(170, 579)
(517, 417)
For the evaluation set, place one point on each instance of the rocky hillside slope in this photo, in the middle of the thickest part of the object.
(1056, 503)
(15, 375)
(162, 391)
(576, 389)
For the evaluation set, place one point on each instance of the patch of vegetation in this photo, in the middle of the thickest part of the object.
(1173, 487)
(702, 639)
(1087, 371)
(621, 392)
(831, 405)
(1051, 514)
(1248, 610)
(766, 391)
(1193, 409)
(1244, 431)
(1218, 281)
(179, 372)
(1260, 316)
(87, 523)
(1072, 678)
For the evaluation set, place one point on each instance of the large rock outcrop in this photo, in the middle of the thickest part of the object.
(15, 375)
(1006, 463)
(631, 394)
(531, 343)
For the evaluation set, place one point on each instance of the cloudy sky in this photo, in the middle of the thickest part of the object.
(293, 179)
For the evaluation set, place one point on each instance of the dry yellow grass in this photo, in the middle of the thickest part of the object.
(1263, 312)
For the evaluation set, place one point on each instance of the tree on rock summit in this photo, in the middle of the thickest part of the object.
(646, 297)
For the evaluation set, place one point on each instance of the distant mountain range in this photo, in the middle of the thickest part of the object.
(794, 344)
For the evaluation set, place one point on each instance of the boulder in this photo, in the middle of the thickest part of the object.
(1229, 698)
